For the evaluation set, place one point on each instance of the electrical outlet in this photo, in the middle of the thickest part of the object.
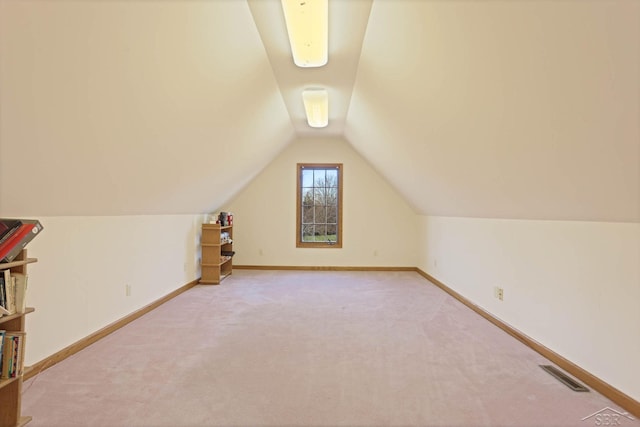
(500, 293)
(128, 290)
(375, 252)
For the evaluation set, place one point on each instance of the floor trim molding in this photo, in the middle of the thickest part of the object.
(607, 390)
(320, 268)
(72, 349)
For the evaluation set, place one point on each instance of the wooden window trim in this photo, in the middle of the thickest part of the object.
(299, 242)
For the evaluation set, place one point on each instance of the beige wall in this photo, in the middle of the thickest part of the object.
(508, 109)
(378, 225)
(78, 285)
(572, 286)
(120, 105)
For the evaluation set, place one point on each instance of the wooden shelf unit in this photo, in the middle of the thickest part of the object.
(11, 389)
(214, 266)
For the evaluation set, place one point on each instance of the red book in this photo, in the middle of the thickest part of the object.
(7, 228)
(12, 246)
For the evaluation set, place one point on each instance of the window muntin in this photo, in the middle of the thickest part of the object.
(319, 205)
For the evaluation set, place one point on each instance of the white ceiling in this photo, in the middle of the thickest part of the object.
(347, 27)
(526, 109)
(523, 109)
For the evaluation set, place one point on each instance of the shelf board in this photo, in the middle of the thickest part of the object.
(217, 226)
(9, 317)
(5, 265)
(216, 265)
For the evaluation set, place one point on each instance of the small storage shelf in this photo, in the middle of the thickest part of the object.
(216, 240)
(6, 383)
(11, 389)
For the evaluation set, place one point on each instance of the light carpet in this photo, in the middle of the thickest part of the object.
(308, 348)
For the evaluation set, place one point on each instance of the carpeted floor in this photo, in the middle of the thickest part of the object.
(291, 348)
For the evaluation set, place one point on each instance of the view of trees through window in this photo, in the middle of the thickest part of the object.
(319, 200)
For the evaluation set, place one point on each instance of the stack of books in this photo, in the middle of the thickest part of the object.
(13, 292)
(15, 234)
(11, 354)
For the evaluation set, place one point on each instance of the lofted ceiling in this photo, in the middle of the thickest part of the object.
(526, 109)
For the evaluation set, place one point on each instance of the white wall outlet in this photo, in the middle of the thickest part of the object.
(375, 252)
(260, 252)
(128, 290)
(498, 292)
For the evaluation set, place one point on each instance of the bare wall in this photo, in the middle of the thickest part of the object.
(572, 286)
(378, 225)
(78, 285)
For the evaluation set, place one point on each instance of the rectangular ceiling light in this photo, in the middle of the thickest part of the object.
(316, 105)
(307, 25)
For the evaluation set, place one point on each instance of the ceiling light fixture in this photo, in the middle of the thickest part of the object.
(316, 105)
(307, 25)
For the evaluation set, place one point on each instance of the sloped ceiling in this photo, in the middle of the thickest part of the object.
(526, 109)
(133, 107)
(523, 109)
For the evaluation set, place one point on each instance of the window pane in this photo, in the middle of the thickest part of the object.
(307, 197)
(331, 198)
(321, 215)
(332, 215)
(308, 233)
(307, 215)
(307, 177)
(319, 196)
(332, 232)
(332, 177)
(321, 233)
(319, 176)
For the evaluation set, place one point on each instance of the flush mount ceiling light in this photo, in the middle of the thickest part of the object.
(307, 25)
(316, 105)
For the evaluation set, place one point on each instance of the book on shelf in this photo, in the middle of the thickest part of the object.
(12, 247)
(2, 332)
(12, 354)
(12, 240)
(8, 227)
(3, 297)
(20, 291)
(10, 291)
(6, 357)
(7, 292)
(19, 365)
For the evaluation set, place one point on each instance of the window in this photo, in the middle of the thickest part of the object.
(319, 206)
